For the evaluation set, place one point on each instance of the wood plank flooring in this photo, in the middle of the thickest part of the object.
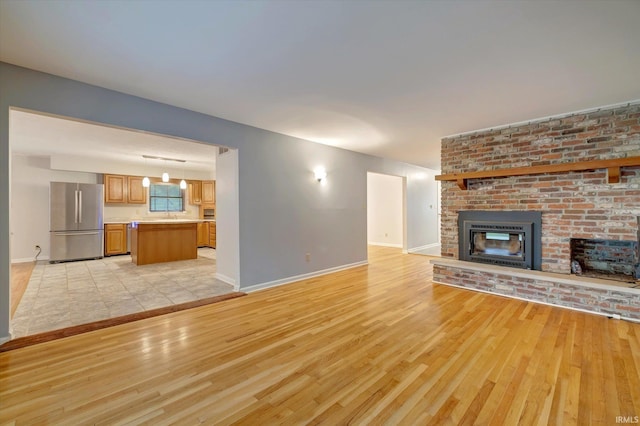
(377, 344)
(47, 336)
(20, 274)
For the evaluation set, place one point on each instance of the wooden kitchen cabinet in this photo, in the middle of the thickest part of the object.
(136, 193)
(115, 239)
(208, 192)
(212, 234)
(203, 234)
(115, 189)
(121, 189)
(195, 192)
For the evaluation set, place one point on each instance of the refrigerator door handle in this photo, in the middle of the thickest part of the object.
(76, 233)
(75, 213)
(79, 206)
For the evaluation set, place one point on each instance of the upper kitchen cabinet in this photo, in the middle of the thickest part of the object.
(115, 189)
(208, 192)
(120, 189)
(136, 194)
(202, 192)
(195, 192)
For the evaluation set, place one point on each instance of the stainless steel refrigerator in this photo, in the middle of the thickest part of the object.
(76, 225)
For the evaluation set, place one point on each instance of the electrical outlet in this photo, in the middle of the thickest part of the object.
(307, 257)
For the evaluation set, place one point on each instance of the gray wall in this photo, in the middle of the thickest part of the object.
(284, 213)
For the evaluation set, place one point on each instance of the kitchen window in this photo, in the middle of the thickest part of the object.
(166, 197)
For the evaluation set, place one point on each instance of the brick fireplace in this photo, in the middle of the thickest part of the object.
(575, 205)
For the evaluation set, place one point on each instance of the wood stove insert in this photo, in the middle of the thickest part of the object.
(503, 238)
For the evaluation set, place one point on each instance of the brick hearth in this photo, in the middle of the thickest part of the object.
(574, 204)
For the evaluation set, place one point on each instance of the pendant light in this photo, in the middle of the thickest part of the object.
(183, 183)
(165, 175)
(145, 180)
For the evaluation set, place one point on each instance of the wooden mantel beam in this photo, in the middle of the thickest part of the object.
(613, 170)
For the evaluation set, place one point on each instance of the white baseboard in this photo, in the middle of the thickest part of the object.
(432, 249)
(301, 277)
(226, 279)
(28, 259)
(385, 244)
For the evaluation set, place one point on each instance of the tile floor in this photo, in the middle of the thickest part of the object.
(66, 294)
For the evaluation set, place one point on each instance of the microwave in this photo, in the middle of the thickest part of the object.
(209, 213)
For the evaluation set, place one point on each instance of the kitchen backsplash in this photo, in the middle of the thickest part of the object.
(136, 212)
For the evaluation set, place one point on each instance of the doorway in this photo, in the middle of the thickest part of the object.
(386, 211)
(82, 152)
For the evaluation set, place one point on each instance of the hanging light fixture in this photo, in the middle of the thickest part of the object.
(165, 175)
(183, 183)
(145, 180)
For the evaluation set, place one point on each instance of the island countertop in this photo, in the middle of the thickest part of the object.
(163, 221)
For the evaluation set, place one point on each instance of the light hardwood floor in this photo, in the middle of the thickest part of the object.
(20, 274)
(370, 345)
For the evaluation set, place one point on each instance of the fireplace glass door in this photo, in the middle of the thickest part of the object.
(500, 244)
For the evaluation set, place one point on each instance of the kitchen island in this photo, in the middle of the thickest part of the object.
(163, 241)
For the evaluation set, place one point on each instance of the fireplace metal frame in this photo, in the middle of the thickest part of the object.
(528, 223)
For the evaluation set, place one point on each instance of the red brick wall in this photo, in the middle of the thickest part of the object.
(573, 205)
(604, 300)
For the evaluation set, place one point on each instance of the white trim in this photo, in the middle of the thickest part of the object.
(433, 246)
(226, 279)
(541, 119)
(28, 259)
(537, 301)
(385, 244)
(301, 277)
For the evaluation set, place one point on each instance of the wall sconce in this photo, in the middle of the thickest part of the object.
(321, 174)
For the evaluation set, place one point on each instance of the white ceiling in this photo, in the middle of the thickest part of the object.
(38, 134)
(388, 78)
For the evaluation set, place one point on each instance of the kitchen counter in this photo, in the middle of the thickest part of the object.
(108, 221)
(166, 221)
